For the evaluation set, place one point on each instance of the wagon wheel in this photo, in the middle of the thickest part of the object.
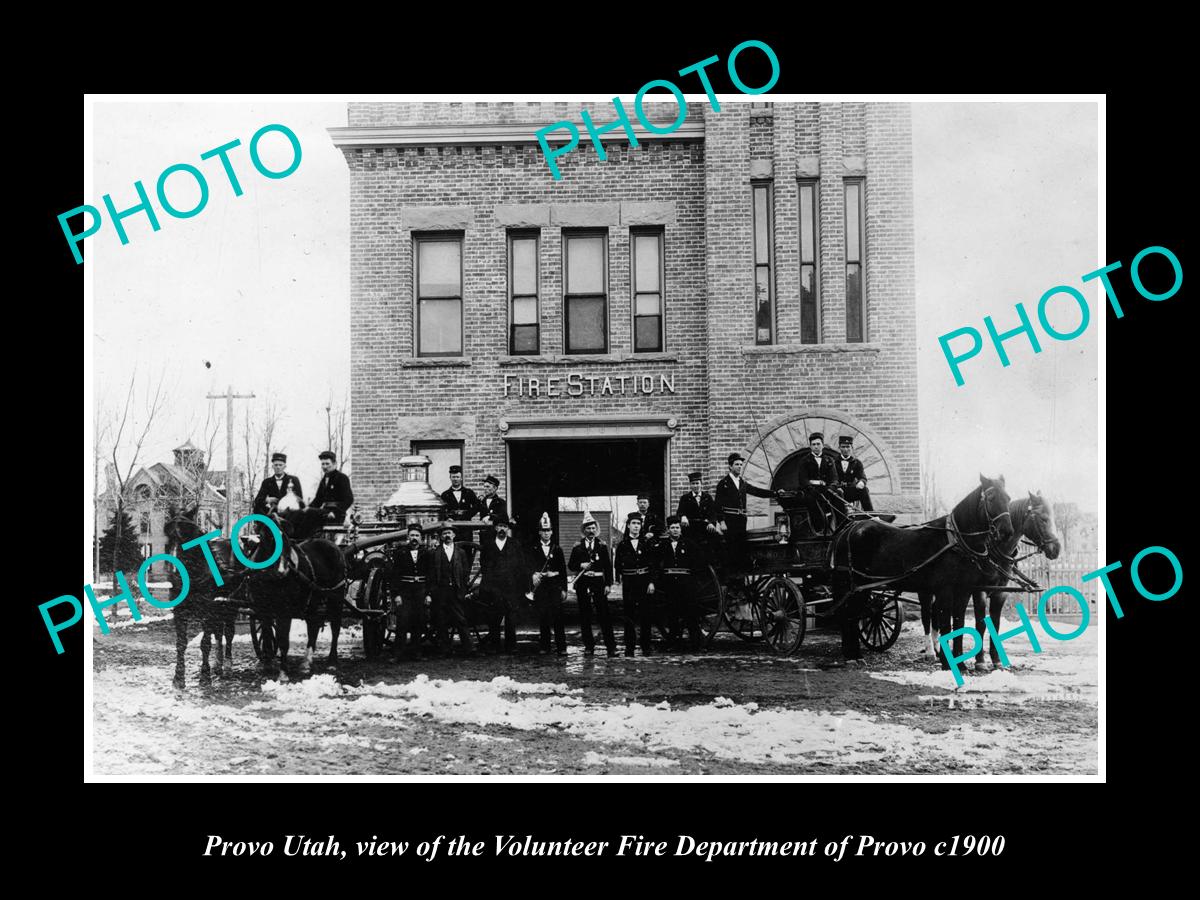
(742, 609)
(709, 599)
(784, 617)
(262, 635)
(880, 625)
(375, 597)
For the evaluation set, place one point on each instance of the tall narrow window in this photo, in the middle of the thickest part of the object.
(856, 319)
(764, 289)
(809, 304)
(523, 292)
(586, 296)
(647, 290)
(439, 295)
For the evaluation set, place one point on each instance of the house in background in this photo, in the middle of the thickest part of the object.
(152, 490)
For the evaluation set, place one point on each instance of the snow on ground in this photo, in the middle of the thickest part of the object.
(592, 758)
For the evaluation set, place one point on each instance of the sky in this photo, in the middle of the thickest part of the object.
(253, 291)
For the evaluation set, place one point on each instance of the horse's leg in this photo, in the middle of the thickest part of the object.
(229, 630)
(333, 612)
(960, 617)
(283, 630)
(997, 608)
(926, 599)
(180, 647)
(205, 647)
(943, 607)
(313, 623)
(980, 614)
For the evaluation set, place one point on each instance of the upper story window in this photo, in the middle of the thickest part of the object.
(439, 278)
(764, 288)
(647, 249)
(523, 292)
(856, 310)
(585, 301)
(143, 492)
(810, 303)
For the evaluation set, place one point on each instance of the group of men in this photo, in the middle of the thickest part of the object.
(282, 491)
(655, 562)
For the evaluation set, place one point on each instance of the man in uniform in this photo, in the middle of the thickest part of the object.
(505, 581)
(731, 507)
(447, 572)
(549, 587)
(676, 561)
(697, 512)
(462, 505)
(330, 503)
(491, 507)
(590, 558)
(275, 487)
(410, 566)
(632, 563)
(653, 527)
(851, 474)
(818, 466)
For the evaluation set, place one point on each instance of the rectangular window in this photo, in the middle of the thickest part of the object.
(764, 288)
(145, 523)
(809, 302)
(523, 292)
(585, 262)
(444, 454)
(647, 247)
(439, 278)
(856, 317)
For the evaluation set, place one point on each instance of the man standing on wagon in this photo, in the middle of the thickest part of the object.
(731, 507)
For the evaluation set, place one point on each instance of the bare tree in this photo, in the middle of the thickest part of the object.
(1066, 517)
(931, 500)
(337, 423)
(129, 433)
(103, 425)
(258, 437)
(203, 436)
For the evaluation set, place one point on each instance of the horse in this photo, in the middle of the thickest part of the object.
(308, 581)
(216, 617)
(943, 557)
(1033, 522)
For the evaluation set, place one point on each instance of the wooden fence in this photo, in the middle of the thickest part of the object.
(1067, 570)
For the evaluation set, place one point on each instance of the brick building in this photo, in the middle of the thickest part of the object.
(734, 285)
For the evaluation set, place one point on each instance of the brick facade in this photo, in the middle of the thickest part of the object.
(698, 190)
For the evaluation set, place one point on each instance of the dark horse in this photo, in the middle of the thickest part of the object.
(307, 581)
(201, 605)
(1033, 520)
(944, 557)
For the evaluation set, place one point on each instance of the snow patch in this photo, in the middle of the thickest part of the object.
(591, 758)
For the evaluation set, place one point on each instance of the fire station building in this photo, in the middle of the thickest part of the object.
(734, 285)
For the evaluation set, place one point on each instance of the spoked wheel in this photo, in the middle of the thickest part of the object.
(742, 610)
(783, 615)
(709, 602)
(375, 599)
(880, 625)
(262, 636)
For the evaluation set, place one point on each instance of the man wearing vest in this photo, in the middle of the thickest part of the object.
(633, 562)
(410, 567)
(590, 558)
(677, 559)
(447, 571)
(697, 512)
(851, 474)
(549, 588)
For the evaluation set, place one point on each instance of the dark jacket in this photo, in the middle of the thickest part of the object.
(334, 492)
(653, 526)
(698, 512)
(404, 570)
(553, 568)
(686, 555)
(442, 573)
(494, 506)
(628, 558)
(810, 471)
(504, 571)
(461, 510)
(853, 471)
(731, 498)
(599, 559)
(269, 489)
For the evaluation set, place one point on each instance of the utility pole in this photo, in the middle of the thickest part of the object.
(229, 396)
(328, 426)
